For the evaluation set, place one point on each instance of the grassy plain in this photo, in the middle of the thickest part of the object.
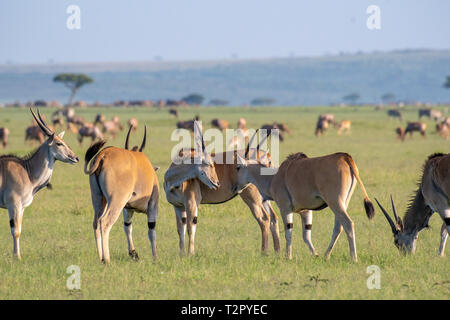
(57, 227)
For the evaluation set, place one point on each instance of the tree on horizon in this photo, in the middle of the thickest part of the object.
(73, 81)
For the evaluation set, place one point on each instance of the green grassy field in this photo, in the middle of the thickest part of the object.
(57, 228)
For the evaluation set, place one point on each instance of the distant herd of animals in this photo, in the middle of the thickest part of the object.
(124, 180)
(442, 123)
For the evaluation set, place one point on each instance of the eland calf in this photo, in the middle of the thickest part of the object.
(22, 177)
(121, 180)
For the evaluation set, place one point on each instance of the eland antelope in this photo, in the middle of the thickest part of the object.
(302, 184)
(433, 195)
(121, 180)
(22, 177)
(186, 189)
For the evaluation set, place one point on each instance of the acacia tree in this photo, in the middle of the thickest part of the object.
(388, 97)
(193, 99)
(352, 97)
(73, 81)
(447, 84)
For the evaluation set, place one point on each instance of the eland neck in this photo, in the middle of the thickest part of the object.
(262, 182)
(40, 165)
(417, 216)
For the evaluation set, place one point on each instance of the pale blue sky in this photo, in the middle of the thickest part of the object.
(137, 30)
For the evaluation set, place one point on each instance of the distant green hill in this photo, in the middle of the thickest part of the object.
(412, 75)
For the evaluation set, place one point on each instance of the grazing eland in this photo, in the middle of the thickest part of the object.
(432, 195)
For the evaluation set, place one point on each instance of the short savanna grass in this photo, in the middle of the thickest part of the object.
(228, 264)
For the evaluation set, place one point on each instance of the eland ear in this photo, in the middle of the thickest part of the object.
(61, 135)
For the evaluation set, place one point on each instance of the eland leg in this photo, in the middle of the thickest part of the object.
(180, 215)
(128, 228)
(307, 226)
(152, 215)
(15, 213)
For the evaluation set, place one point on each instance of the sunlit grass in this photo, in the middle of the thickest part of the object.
(57, 228)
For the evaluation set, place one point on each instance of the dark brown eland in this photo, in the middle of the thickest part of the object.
(121, 180)
(22, 177)
(432, 195)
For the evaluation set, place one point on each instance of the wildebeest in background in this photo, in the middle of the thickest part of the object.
(432, 196)
(88, 130)
(220, 124)
(321, 126)
(189, 124)
(430, 113)
(392, 113)
(58, 118)
(410, 128)
(100, 119)
(173, 112)
(4, 134)
(281, 127)
(121, 180)
(22, 177)
(34, 133)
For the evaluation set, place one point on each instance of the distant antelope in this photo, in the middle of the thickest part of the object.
(22, 177)
(4, 134)
(241, 137)
(430, 113)
(442, 129)
(280, 126)
(220, 124)
(111, 127)
(90, 131)
(433, 195)
(189, 124)
(34, 133)
(133, 123)
(411, 127)
(344, 126)
(100, 119)
(395, 114)
(303, 183)
(186, 195)
(173, 112)
(121, 180)
(57, 118)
